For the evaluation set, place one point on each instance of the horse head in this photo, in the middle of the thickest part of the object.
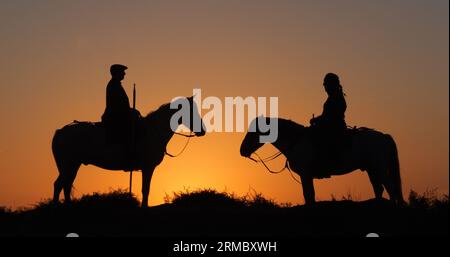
(186, 113)
(252, 141)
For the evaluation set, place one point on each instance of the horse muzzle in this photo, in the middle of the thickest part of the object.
(245, 154)
(200, 134)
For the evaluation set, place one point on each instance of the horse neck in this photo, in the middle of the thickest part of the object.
(159, 125)
(288, 133)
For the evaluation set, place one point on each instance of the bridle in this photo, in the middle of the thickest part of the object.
(268, 159)
(273, 157)
(189, 136)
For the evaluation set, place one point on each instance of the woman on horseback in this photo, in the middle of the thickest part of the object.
(330, 126)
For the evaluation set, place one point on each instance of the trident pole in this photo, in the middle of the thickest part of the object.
(133, 137)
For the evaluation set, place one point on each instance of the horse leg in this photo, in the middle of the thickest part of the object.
(308, 189)
(68, 180)
(377, 185)
(58, 184)
(57, 188)
(146, 178)
(389, 185)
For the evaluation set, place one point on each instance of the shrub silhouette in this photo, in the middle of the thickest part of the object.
(211, 197)
(115, 199)
(5, 211)
(428, 200)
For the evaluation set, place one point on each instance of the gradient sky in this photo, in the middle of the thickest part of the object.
(392, 57)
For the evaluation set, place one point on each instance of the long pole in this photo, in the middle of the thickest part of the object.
(133, 136)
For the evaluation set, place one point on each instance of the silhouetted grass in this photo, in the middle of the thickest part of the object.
(429, 200)
(121, 199)
(4, 211)
(208, 212)
(211, 197)
(115, 199)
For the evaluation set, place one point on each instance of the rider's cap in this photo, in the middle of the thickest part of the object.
(117, 68)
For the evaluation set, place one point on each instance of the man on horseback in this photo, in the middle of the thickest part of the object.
(118, 117)
(329, 128)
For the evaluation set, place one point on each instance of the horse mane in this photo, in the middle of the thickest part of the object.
(290, 124)
(155, 113)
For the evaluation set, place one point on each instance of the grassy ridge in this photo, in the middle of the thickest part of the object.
(210, 213)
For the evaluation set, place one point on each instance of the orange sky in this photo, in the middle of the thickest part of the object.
(392, 57)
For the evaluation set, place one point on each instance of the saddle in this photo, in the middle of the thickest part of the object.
(329, 149)
(103, 138)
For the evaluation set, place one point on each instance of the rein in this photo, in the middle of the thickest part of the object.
(268, 159)
(271, 158)
(185, 146)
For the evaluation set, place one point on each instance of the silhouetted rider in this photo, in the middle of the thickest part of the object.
(333, 115)
(331, 125)
(118, 115)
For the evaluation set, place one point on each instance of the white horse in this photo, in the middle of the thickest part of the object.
(85, 143)
(369, 150)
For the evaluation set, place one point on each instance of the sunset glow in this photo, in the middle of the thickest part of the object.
(391, 56)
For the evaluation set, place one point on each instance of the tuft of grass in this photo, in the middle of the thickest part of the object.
(204, 197)
(115, 199)
(428, 200)
(348, 197)
(5, 211)
(118, 199)
(211, 197)
(257, 200)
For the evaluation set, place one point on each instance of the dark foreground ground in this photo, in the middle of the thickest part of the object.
(211, 214)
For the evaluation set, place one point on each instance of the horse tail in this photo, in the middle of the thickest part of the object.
(394, 169)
